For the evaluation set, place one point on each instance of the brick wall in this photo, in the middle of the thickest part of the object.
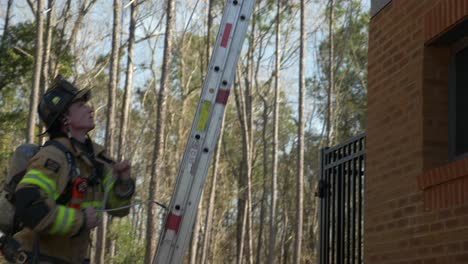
(416, 207)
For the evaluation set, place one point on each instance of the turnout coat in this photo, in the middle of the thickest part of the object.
(55, 225)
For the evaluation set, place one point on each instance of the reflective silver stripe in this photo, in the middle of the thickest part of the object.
(64, 222)
(39, 180)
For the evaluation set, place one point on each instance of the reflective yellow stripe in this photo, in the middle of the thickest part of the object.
(69, 224)
(108, 182)
(97, 204)
(58, 220)
(204, 114)
(64, 220)
(115, 202)
(38, 178)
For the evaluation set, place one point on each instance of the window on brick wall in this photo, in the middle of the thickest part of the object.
(458, 82)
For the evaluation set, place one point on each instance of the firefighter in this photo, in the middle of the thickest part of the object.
(57, 203)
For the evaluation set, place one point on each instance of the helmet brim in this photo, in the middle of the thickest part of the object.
(84, 94)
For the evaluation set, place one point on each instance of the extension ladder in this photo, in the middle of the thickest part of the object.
(182, 211)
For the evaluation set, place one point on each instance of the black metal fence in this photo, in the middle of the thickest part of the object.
(341, 190)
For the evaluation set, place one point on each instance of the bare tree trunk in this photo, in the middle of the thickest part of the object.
(331, 77)
(250, 140)
(208, 30)
(300, 147)
(247, 123)
(264, 184)
(271, 254)
(158, 155)
(151, 208)
(31, 6)
(242, 200)
(128, 82)
(46, 55)
(64, 22)
(242, 220)
(122, 150)
(244, 115)
(144, 207)
(110, 125)
(34, 99)
(283, 258)
(7, 21)
(48, 45)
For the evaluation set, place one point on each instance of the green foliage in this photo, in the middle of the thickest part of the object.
(16, 67)
(129, 248)
(16, 55)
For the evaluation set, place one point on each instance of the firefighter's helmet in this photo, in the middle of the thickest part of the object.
(57, 99)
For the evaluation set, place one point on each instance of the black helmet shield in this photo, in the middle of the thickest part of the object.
(57, 99)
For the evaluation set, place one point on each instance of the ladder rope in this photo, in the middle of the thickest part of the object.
(137, 202)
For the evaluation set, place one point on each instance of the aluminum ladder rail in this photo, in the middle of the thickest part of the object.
(180, 217)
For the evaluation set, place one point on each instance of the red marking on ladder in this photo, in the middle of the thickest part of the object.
(222, 96)
(227, 31)
(173, 222)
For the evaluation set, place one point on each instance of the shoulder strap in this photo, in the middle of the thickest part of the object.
(105, 158)
(65, 197)
(68, 154)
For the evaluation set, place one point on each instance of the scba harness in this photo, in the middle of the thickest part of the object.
(9, 225)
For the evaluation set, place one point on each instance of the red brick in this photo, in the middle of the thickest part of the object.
(430, 261)
(454, 17)
(465, 7)
(444, 8)
(461, 211)
(406, 132)
(462, 258)
(452, 223)
(433, 24)
(445, 213)
(465, 246)
(464, 194)
(451, 193)
(454, 248)
(457, 11)
(438, 19)
(450, 13)
(437, 227)
(465, 188)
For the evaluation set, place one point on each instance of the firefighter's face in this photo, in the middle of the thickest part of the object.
(80, 116)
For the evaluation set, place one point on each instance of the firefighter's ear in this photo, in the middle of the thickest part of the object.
(65, 120)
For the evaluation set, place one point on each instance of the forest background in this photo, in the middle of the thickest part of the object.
(300, 86)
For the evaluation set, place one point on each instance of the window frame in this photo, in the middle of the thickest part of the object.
(456, 47)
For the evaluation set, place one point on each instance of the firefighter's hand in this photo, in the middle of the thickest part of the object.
(122, 170)
(92, 219)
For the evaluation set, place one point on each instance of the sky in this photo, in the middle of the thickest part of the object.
(189, 13)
